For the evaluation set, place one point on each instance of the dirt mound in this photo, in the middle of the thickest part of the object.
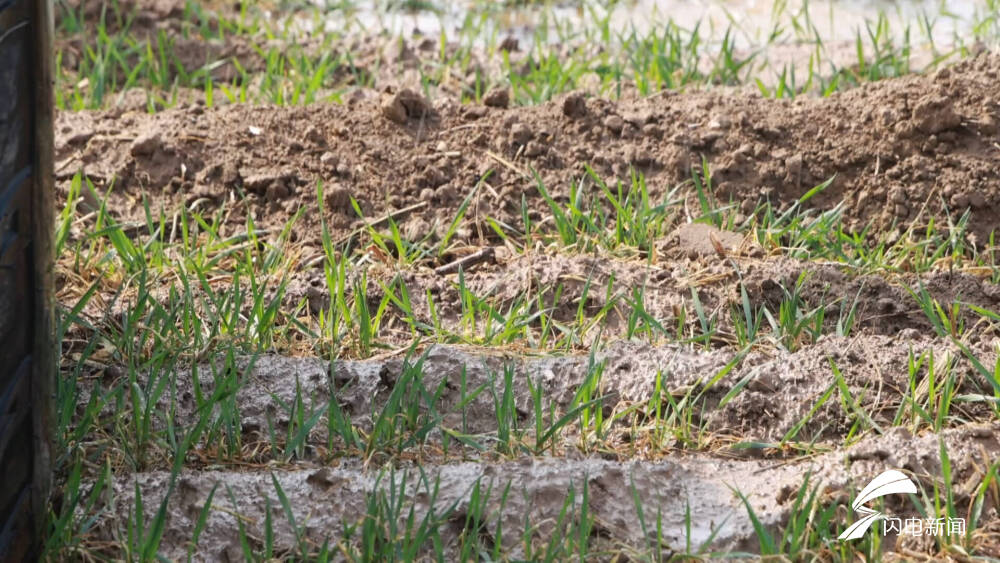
(566, 287)
(628, 501)
(885, 304)
(730, 442)
(766, 398)
(899, 152)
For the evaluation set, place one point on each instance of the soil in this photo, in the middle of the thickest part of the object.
(898, 153)
(331, 497)
(781, 390)
(780, 387)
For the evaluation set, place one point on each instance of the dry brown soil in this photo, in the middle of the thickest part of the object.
(899, 151)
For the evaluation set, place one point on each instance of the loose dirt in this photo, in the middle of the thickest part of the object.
(328, 498)
(777, 389)
(780, 390)
(899, 153)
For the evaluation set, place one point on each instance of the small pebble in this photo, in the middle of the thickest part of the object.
(615, 124)
(338, 198)
(574, 106)
(147, 144)
(520, 134)
(533, 149)
(497, 98)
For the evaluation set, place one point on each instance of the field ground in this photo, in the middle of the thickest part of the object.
(334, 293)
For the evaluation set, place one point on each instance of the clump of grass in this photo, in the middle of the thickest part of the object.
(811, 530)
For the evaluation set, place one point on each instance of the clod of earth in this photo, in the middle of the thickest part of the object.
(405, 105)
(498, 97)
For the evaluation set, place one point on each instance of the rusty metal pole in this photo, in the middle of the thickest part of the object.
(28, 352)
